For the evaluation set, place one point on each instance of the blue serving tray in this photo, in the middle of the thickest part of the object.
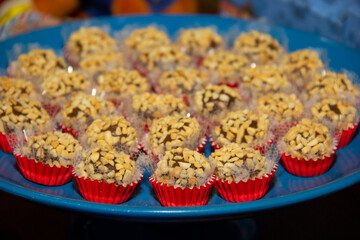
(285, 188)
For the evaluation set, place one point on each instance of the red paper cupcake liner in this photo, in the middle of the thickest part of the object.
(262, 148)
(307, 168)
(244, 191)
(214, 144)
(345, 136)
(42, 173)
(140, 69)
(199, 61)
(69, 58)
(135, 154)
(231, 85)
(176, 197)
(102, 192)
(51, 109)
(202, 144)
(4, 142)
(69, 130)
(117, 103)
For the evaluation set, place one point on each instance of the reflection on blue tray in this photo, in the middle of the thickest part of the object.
(285, 188)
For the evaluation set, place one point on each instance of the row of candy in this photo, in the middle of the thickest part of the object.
(109, 158)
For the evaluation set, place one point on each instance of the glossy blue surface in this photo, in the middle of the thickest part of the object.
(285, 188)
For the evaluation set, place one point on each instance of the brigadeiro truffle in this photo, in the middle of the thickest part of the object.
(36, 65)
(175, 131)
(342, 114)
(242, 173)
(182, 81)
(119, 83)
(17, 115)
(301, 65)
(105, 175)
(283, 109)
(114, 131)
(260, 48)
(332, 84)
(46, 158)
(81, 110)
(308, 148)
(242, 127)
(224, 67)
(87, 41)
(144, 38)
(213, 102)
(15, 88)
(198, 42)
(95, 64)
(58, 87)
(182, 178)
(153, 61)
(148, 106)
(264, 79)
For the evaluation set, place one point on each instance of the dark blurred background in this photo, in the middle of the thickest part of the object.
(333, 216)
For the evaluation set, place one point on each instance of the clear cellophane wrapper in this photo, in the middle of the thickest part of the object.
(234, 80)
(96, 71)
(53, 105)
(132, 55)
(209, 120)
(8, 139)
(170, 195)
(262, 27)
(33, 169)
(344, 132)
(110, 193)
(14, 70)
(73, 127)
(310, 164)
(301, 82)
(132, 150)
(13, 91)
(118, 98)
(251, 94)
(341, 94)
(154, 74)
(280, 127)
(197, 58)
(354, 99)
(72, 58)
(244, 188)
(185, 97)
(194, 142)
(179, 92)
(141, 121)
(260, 144)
